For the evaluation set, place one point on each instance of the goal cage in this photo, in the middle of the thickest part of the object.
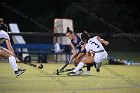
(60, 26)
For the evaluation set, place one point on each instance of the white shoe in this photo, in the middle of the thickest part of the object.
(87, 73)
(79, 73)
(72, 74)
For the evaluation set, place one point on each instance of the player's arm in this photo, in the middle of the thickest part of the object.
(102, 41)
(73, 51)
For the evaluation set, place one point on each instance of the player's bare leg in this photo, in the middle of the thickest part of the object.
(12, 60)
(88, 68)
(88, 60)
(78, 58)
(76, 62)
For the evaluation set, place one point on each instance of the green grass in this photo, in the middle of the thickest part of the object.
(111, 79)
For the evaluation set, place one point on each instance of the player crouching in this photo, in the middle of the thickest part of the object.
(96, 53)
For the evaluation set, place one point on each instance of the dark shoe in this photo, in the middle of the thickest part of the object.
(98, 65)
(97, 70)
(19, 72)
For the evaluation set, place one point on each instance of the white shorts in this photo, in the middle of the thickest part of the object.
(100, 57)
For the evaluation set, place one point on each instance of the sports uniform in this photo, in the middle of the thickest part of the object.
(3, 36)
(95, 47)
(77, 44)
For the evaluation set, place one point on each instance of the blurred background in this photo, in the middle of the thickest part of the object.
(117, 21)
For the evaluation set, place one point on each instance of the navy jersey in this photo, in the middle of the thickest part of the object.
(78, 43)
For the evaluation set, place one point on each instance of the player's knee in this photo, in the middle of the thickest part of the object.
(6, 53)
(10, 54)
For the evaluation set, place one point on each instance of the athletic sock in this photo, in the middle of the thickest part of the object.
(13, 63)
(80, 65)
(88, 67)
(79, 69)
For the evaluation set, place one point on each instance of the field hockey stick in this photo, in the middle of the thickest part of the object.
(68, 70)
(59, 71)
(30, 64)
(36, 66)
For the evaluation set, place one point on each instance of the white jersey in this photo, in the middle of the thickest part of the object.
(94, 45)
(3, 36)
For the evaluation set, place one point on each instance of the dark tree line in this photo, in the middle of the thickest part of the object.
(90, 15)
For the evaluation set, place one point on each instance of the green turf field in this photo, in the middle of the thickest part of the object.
(111, 79)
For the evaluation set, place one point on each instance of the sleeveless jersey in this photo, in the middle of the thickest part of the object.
(94, 45)
(78, 44)
(3, 36)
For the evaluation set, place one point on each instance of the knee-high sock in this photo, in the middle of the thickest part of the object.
(79, 69)
(88, 67)
(80, 65)
(13, 63)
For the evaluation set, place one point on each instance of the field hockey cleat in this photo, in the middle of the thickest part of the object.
(72, 74)
(87, 73)
(19, 72)
(98, 70)
(98, 65)
(78, 73)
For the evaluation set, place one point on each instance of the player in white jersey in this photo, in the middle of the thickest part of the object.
(95, 52)
(9, 52)
(94, 46)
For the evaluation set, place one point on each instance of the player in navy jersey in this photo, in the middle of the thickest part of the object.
(77, 46)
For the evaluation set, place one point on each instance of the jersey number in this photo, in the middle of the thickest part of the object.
(95, 44)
